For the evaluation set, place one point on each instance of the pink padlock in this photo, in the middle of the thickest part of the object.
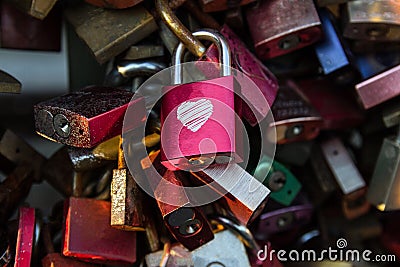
(198, 120)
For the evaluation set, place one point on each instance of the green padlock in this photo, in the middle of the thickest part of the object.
(283, 184)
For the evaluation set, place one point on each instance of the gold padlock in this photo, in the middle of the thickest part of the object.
(109, 32)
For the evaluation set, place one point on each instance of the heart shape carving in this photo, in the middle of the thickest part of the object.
(193, 115)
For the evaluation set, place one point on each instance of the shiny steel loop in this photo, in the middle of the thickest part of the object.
(209, 35)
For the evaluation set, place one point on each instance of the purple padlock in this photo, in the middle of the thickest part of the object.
(284, 218)
(198, 120)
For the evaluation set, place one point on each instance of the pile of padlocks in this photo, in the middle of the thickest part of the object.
(326, 70)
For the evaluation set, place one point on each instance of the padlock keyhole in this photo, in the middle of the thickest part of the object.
(277, 181)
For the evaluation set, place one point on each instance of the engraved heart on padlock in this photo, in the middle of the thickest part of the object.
(194, 114)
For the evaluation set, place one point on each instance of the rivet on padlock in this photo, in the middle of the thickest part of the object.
(384, 184)
(68, 120)
(214, 99)
(371, 20)
(298, 26)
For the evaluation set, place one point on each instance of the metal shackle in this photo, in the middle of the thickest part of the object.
(239, 230)
(209, 35)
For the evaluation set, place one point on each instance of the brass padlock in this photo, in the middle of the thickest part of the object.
(109, 32)
(136, 52)
(8, 84)
(371, 20)
(126, 198)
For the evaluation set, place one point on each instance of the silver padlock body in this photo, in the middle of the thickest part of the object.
(384, 188)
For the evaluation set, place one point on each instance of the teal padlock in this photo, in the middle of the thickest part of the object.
(283, 184)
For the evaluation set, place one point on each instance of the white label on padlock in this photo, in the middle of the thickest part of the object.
(194, 115)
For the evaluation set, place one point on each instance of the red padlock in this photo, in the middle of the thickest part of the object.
(89, 236)
(187, 223)
(198, 119)
(26, 231)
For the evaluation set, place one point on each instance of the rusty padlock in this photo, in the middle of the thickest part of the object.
(297, 25)
(85, 118)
